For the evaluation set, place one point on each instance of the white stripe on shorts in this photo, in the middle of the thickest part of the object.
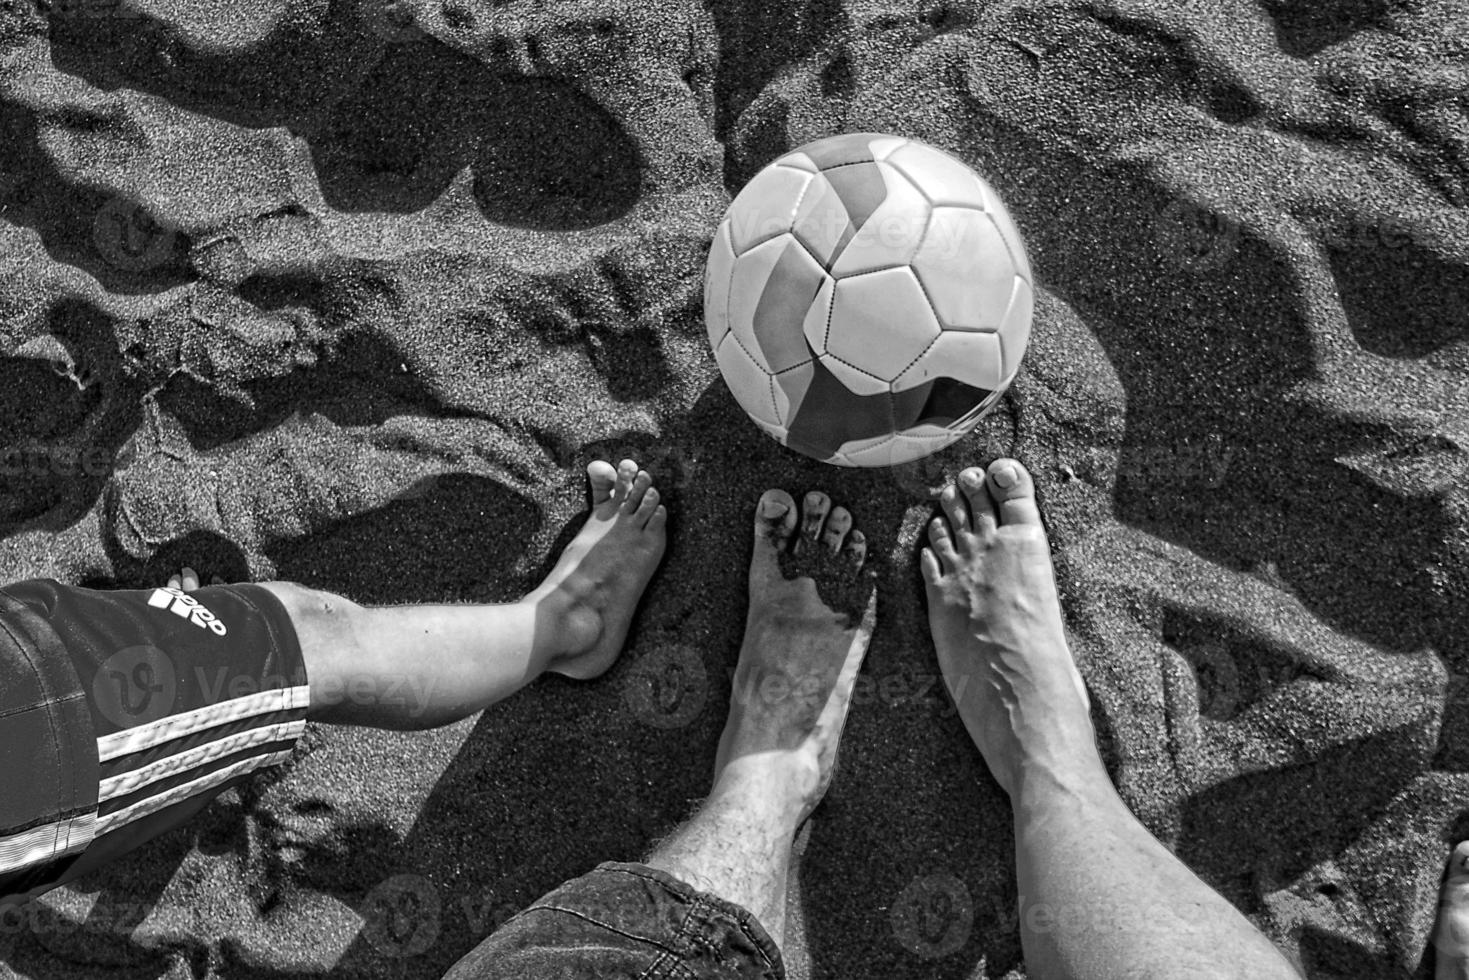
(197, 787)
(130, 782)
(210, 716)
(47, 843)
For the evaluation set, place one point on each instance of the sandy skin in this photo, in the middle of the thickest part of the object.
(996, 620)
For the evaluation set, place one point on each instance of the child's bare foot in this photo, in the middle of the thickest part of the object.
(996, 622)
(1451, 933)
(799, 659)
(187, 580)
(584, 607)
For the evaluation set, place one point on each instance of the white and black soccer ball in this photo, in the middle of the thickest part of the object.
(868, 299)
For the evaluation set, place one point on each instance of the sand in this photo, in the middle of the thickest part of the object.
(349, 294)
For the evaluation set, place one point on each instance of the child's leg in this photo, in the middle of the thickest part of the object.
(425, 666)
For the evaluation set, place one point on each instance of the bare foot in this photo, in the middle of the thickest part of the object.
(187, 580)
(799, 659)
(585, 606)
(996, 622)
(1451, 933)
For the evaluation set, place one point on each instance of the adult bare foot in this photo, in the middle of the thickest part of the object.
(996, 622)
(585, 606)
(800, 658)
(1451, 933)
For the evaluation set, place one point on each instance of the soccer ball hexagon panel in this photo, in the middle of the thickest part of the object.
(868, 299)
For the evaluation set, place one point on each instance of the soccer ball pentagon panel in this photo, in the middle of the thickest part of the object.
(868, 299)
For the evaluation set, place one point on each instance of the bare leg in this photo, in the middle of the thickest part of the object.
(1451, 933)
(1101, 897)
(410, 667)
(792, 688)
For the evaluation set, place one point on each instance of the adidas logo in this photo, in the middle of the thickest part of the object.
(182, 604)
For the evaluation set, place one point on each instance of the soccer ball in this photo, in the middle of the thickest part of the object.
(868, 299)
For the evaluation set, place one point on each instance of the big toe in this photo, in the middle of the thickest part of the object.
(603, 477)
(1013, 490)
(775, 521)
(1451, 934)
(1458, 873)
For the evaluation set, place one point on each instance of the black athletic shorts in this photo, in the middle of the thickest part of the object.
(122, 714)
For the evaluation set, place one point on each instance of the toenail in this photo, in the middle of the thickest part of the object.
(1005, 477)
(773, 508)
(969, 479)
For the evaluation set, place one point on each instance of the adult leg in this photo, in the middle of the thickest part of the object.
(711, 897)
(411, 667)
(1101, 897)
(792, 687)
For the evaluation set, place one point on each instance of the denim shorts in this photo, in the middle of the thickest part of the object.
(626, 921)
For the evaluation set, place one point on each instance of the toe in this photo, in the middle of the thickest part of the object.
(855, 549)
(958, 513)
(838, 523)
(175, 582)
(981, 505)
(602, 477)
(775, 519)
(627, 472)
(637, 492)
(813, 517)
(189, 579)
(659, 520)
(1459, 864)
(942, 542)
(647, 504)
(929, 564)
(1014, 492)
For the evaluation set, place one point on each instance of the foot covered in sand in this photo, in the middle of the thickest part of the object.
(996, 622)
(585, 606)
(1451, 932)
(799, 659)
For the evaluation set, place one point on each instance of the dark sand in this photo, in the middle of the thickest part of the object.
(338, 299)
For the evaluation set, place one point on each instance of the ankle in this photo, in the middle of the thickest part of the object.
(563, 628)
(1038, 789)
(777, 786)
